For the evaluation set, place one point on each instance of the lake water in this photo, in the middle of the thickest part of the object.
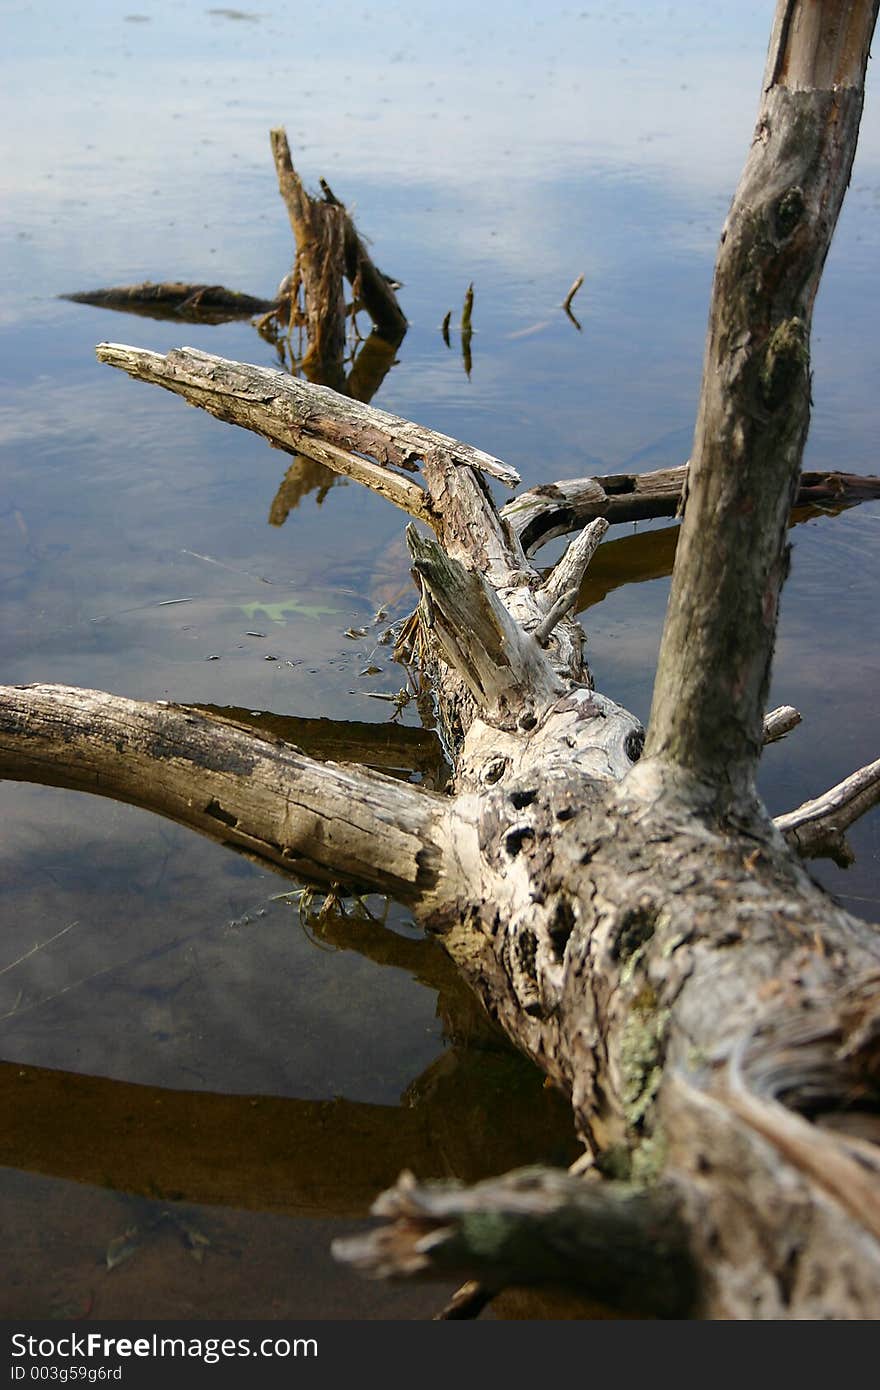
(203, 1089)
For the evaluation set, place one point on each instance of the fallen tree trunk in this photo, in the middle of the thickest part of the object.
(638, 925)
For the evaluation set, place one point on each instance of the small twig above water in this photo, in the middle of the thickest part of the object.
(566, 303)
(467, 310)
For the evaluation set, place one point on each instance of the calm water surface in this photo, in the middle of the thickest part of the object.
(203, 1091)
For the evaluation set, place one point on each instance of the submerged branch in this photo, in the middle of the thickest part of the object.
(175, 300)
(307, 1158)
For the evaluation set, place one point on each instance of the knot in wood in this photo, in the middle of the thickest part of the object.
(789, 211)
(517, 836)
(493, 771)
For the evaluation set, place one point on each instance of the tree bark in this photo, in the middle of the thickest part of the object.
(714, 665)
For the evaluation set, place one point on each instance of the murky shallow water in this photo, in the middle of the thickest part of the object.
(490, 144)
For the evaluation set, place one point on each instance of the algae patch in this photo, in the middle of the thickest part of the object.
(278, 612)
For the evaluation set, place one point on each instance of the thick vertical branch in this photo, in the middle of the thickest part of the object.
(319, 229)
(714, 665)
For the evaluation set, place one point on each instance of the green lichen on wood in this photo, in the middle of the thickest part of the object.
(641, 1061)
(789, 211)
(649, 1159)
(786, 361)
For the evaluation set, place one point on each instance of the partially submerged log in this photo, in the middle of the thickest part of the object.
(555, 509)
(329, 249)
(172, 299)
(637, 924)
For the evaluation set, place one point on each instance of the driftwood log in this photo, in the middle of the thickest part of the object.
(620, 902)
(172, 299)
(554, 509)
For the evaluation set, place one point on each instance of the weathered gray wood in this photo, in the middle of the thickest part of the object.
(817, 828)
(569, 572)
(714, 664)
(288, 412)
(635, 946)
(779, 722)
(504, 667)
(323, 822)
(554, 509)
